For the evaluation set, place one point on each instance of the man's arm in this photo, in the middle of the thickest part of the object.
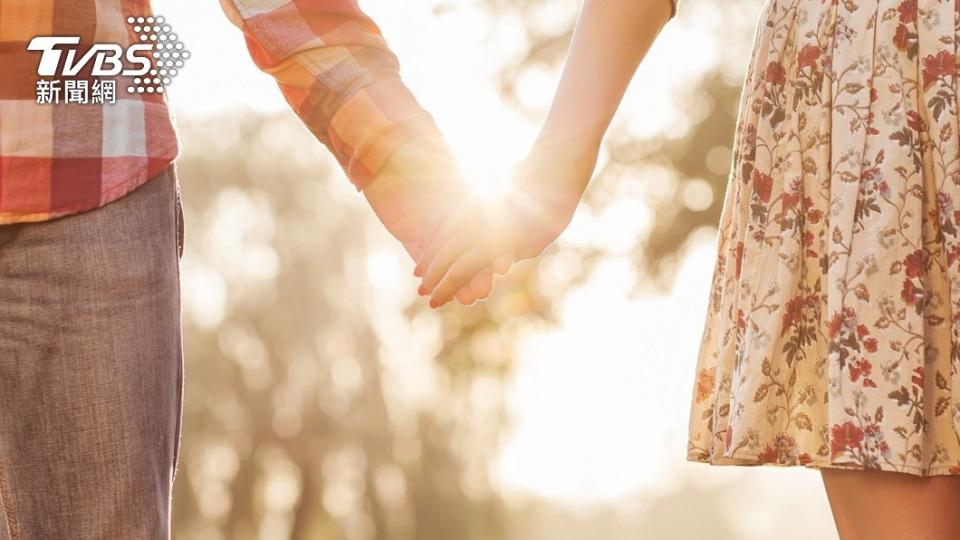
(337, 73)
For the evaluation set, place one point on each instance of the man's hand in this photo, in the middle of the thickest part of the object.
(418, 188)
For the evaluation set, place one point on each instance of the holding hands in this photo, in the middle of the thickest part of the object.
(417, 189)
(482, 237)
(460, 241)
(610, 40)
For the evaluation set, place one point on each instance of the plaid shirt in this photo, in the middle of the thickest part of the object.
(329, 59)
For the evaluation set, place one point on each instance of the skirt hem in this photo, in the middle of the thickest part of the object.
(754, 461)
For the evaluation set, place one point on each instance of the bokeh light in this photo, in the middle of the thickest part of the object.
(323, 399)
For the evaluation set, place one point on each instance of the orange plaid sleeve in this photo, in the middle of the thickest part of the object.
(337, 73)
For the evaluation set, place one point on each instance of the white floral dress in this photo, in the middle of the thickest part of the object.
(832, 337)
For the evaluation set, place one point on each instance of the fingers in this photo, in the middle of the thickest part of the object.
(461, 272)
(447, 231)
(451, 250)
(502, 265)
(465, 296)
(481, 285)
(478, 288)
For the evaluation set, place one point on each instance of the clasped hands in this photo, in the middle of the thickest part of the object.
(459, 240)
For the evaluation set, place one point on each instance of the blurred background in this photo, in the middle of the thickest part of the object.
(325, 401)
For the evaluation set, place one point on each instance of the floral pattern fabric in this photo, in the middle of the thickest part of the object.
(832, 337)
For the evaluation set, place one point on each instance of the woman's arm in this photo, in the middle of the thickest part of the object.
(610, 39)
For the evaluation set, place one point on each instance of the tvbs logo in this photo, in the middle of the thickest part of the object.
(106, 58)
(152, 62)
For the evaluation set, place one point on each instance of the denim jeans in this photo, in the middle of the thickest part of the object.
(91, 369)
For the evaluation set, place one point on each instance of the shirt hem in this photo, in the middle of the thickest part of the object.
(117, 192)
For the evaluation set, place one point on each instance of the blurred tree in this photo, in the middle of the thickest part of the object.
(315, 409)
(287, 429)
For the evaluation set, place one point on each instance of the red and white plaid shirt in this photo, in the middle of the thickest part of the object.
(329, 59)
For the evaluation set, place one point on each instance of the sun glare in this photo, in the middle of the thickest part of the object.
(489, 188)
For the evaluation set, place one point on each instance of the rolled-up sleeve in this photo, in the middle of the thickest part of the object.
(335, 70)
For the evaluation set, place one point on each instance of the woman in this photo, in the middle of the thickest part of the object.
(833, 331)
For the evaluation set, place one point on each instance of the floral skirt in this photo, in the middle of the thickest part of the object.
(832, 337)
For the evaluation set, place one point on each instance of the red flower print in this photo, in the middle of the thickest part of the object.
(901, 39)
(917, 378)
(953, 255)
(762, 185)
(814, 215)
(783, 447)
(913, 264)
(807, 239)
(843, 436)
(870, 344)
(808, 56)
(790, 200)
(739, 258)
(909, 292)
(942, 64)
(804, 458)
(884, 189)
(705, 381)
(861, 367)
(908, 11)
(776, 74)
(836, 322)
(870, 174)
(769, 455)
(741, 320)
(862, 330)
(854, 373)
(794, 313)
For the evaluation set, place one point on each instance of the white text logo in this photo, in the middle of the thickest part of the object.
(153, 62)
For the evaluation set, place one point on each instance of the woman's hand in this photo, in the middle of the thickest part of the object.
(484, 234)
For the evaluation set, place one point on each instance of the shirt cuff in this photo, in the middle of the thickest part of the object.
(371, 124)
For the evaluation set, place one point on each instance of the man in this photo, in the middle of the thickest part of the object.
(91, 235)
